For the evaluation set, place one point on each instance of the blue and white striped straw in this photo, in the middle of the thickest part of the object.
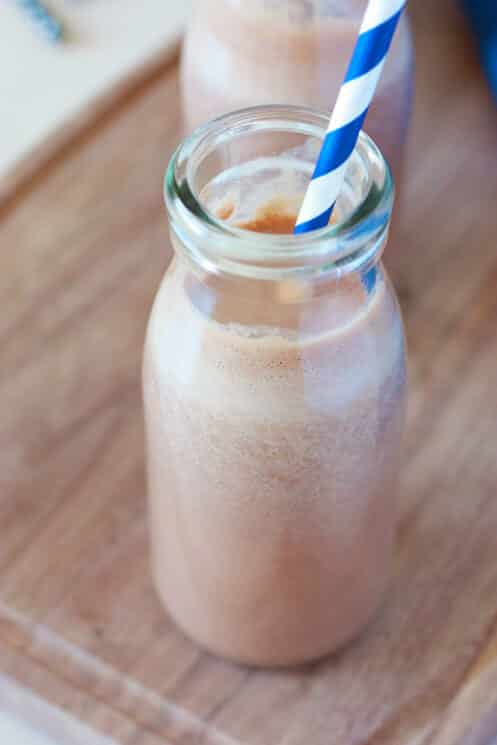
(365, 68)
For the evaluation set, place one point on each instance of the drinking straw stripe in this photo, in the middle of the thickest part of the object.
(43, 20)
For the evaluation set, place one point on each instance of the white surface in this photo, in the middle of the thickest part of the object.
(14, 731)
(26, 719)
(44, 85)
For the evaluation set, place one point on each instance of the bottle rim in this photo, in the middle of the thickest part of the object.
(355, 243)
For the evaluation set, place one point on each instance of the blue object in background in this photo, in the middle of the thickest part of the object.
(482, 15)
(43, 20)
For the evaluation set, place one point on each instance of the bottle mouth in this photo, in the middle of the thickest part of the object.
(266, 135)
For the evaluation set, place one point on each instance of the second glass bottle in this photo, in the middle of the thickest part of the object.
(238, 54)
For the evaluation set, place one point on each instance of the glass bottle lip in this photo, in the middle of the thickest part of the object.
(352, 244)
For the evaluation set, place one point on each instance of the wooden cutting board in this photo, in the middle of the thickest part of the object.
(83, 251)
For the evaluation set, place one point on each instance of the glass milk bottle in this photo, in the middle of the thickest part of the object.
(274, 390)
(240, 53)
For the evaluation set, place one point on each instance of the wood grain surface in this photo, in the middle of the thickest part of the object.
(83, 249)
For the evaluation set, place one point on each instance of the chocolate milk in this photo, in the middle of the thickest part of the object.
(273, 454)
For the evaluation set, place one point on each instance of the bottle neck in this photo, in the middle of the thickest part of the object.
(270, 152)
(305, 307)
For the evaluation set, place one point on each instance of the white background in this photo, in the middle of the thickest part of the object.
(42, 85)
